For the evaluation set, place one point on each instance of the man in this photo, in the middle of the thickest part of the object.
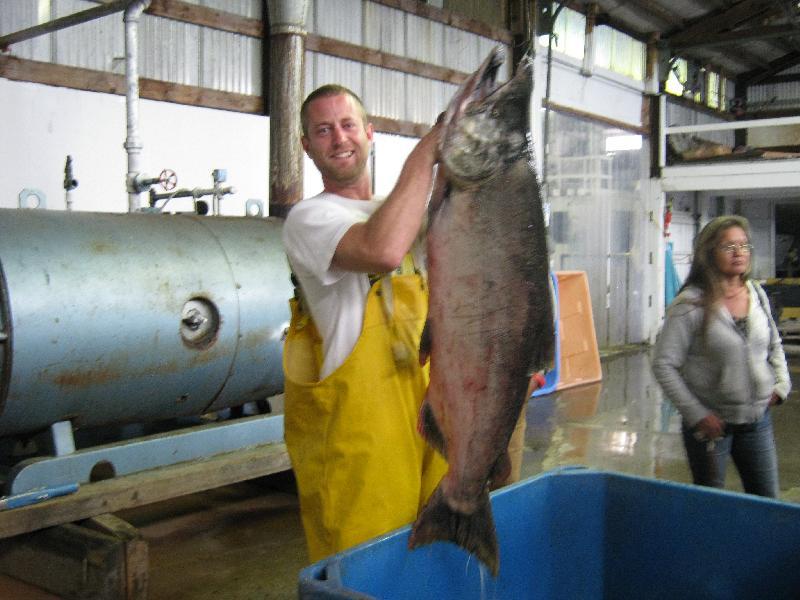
(354, 385)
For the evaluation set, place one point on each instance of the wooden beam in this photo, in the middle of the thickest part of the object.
(450, 18)
(394, 126)
(722, 20)
(178, 10)
(185, 12)
(130, 491)
(746, 58)
(368, 56)
(787, 78)
(736, 36)
(20, 69)
(153, 89)
(652, 10)
(773, 68)
(560, 108)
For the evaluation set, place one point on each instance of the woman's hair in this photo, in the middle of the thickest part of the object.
(704, 273)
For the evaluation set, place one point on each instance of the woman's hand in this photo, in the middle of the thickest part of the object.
(774, 399)
(710, 427)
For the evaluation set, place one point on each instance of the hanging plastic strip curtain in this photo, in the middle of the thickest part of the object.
(672, 282)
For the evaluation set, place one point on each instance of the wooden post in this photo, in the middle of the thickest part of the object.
(287, 36)
(135, 558)
(102, 558)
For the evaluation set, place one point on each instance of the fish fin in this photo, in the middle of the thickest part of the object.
(425, 343)
(429, 428)
(475, 532)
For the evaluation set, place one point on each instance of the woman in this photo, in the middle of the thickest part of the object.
(720, 361)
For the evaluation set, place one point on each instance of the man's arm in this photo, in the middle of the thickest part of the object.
(379, 244)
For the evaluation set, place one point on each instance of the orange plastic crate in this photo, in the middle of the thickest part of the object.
(580, 357)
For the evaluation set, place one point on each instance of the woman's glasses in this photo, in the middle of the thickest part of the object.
(742, 248)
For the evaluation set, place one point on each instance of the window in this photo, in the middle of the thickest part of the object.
(568, 34)
(613, 50)
(676, 81)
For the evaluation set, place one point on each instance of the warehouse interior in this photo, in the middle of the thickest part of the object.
(150, 153)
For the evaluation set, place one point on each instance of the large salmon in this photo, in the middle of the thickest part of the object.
(490, 318)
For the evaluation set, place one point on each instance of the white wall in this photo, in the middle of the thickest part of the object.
(43, 124)
(604, 93)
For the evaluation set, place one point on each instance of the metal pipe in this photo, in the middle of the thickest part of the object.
(133, 144)
(70, 183)
(546, 125)
(587, 67)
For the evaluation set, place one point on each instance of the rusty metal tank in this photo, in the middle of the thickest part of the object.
(130, 318)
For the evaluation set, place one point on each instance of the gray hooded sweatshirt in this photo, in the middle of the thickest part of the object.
(727, 373)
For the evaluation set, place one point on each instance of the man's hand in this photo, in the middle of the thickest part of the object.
(379, 244)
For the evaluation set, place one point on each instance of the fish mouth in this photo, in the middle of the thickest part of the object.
(485, 123)
(480, 85)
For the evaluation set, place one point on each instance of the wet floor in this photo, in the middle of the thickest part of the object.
(624, 424)
(244, 542)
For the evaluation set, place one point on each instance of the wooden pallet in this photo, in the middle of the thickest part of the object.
(73, 547)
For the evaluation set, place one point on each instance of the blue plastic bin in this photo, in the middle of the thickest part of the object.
(551, 377)
(579, 533)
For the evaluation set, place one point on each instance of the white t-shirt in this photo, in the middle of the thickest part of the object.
(336, 298)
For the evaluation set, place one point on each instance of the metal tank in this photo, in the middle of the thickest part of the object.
(130, 318)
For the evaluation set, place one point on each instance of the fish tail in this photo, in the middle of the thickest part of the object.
(474, 532)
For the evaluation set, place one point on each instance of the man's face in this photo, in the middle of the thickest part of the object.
(337, 140)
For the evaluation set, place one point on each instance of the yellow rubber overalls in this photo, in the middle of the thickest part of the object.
(361, 467)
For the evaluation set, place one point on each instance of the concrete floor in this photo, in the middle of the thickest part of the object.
(245, 542)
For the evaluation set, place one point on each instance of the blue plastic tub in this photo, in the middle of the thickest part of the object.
(551, 377)
(579, 533)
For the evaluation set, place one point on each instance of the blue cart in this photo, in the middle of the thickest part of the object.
(578, 533)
